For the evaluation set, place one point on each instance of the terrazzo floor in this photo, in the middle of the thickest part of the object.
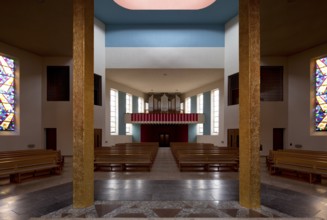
(166, 209)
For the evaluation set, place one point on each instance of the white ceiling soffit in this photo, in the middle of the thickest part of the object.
(165, 80)
(165, 57)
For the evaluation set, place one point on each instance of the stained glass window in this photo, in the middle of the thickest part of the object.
(7, 94)
(321, 94)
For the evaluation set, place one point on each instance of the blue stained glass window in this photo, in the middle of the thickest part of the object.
(7, 94)
(321, 94)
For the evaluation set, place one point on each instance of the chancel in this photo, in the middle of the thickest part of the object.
(161, 109)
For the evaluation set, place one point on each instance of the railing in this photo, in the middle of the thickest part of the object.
(164, 118)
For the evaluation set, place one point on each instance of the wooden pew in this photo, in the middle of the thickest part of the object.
(204, 157)
(311, 163)
(18, 167)
(207, 162)
(123, 162)
(126, 157)
(34, 152)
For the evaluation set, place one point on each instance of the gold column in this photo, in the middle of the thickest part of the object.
(249, 37)
(83, 149)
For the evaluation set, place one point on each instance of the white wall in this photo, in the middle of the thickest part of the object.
(273, 114)
(58, 114)
(300, 108)
(28, 99)
(100, 69)
(231, 67)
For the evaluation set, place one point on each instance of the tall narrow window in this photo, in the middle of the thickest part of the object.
(113, 112)
(321, 94)
(140, 105)
(129, 109)
(188, 105)
(146, 107)
(7, 94)
(215, 112)
(200, 110)
(182, 108)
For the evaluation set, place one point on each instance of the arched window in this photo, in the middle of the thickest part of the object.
(321, 94)
(7, 94)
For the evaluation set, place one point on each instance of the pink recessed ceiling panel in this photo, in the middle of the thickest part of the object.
(164, 4)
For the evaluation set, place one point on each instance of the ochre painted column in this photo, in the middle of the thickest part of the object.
(249, 83)
(83, 149)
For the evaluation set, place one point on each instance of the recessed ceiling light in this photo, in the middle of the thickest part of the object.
(164, 4)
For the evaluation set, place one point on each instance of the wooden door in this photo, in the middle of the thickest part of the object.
(51, 138)
(278, 138)
(97, 137)
(233, 138)
(164, 140)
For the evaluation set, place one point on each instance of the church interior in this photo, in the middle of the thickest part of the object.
(155, 128)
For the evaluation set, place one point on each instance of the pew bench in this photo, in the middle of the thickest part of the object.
(19, 154)
(314, 168)
(207, 162)
(17, 168)
(292, 153)
(123, 162)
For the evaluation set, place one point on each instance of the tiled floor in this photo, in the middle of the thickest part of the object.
(161, 192)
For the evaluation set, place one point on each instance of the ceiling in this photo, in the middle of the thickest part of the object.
(44, 27)
(291, 26)
(165, 80)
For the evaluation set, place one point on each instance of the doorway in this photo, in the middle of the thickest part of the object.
(97, 137)
(51, 138)
(164, 140)
(233, 138)
(278, 138)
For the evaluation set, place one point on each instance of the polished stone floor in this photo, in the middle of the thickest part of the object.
(163, 192)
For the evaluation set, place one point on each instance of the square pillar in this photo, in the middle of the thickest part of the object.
(83, 149)
(249, 84)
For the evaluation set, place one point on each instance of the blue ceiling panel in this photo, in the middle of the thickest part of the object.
(218, 13)
(138, 35)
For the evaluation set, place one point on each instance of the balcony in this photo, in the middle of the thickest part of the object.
(164, 118)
